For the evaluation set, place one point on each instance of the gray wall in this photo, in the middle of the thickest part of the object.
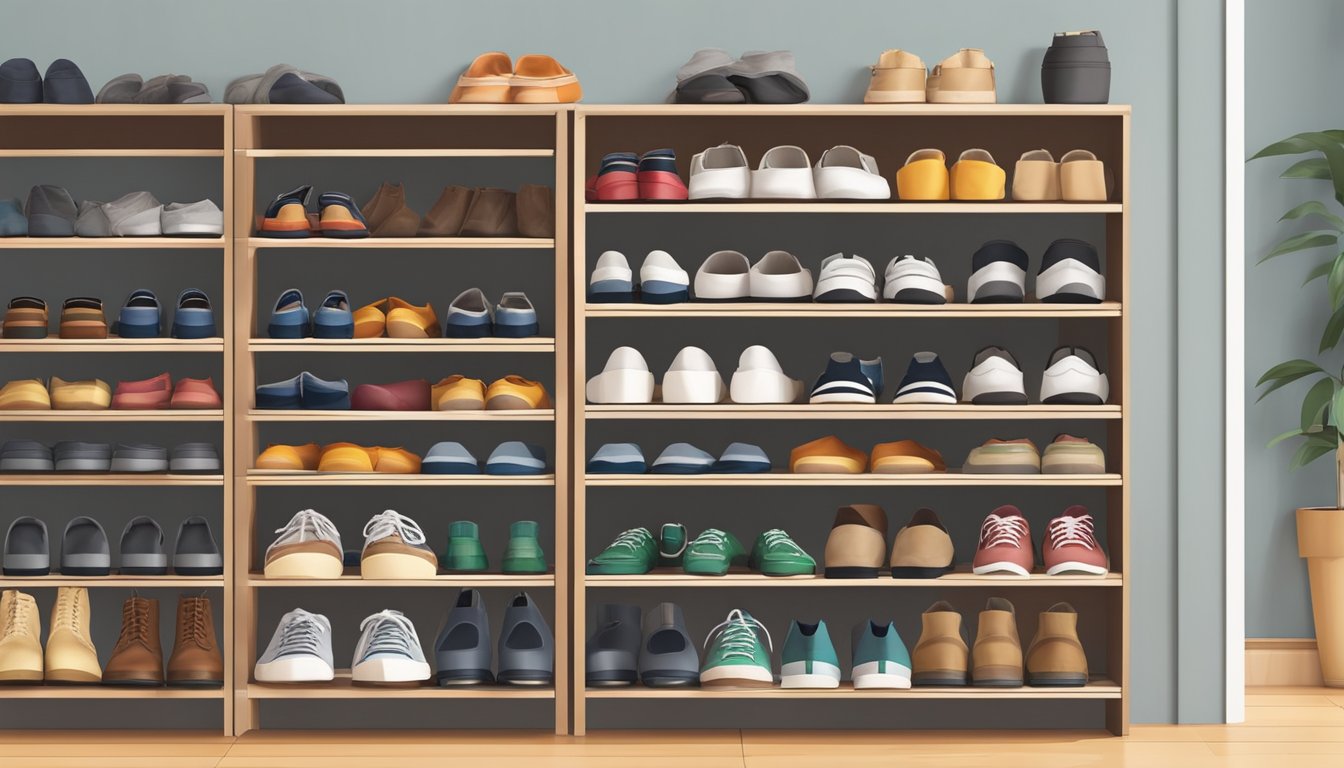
(411, 51)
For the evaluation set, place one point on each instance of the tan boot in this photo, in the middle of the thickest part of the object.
(71, 657)
(857, 546)
(445, 218)
(1056, 657)
(138, 657)
(391, 216)
(20, 638)
(196, 660)
(536, 210)
(940, 656)
(997, 653)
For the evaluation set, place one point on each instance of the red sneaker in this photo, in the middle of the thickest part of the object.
(658, 177)
(617, 178)
(1070, 545)
(411, 395)
(197, 394)
(148, 395)
(1005, 544)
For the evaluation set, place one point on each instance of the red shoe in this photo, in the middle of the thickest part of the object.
(1070, 545)
(1005, 544)
(412, 395)
(196, 394)
(148, 395)
(616, 178)
(658, 177)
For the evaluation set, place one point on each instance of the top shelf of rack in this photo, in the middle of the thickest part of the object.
(854, 110)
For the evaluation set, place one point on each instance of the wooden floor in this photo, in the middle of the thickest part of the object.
(1297, 727)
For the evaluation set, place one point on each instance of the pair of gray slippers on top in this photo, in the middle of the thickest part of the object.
(131, 88)
(660, 653)
(713, 76)
(284, 84)
(85, 551)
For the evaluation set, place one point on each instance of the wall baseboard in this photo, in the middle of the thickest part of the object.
(1288, 661)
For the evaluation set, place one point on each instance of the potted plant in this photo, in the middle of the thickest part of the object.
(1320, 530)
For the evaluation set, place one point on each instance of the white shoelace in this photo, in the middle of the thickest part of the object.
(778, 537)
(391, 632)
(390, 521)
(307, 525)
(712, 537)
(739, 635)
(1072, 531)
(633, 539)
(303, 634)
(1008, 531)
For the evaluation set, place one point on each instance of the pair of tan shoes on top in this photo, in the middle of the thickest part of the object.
(965, 77)
(536, 79)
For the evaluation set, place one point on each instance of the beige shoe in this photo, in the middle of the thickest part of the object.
(1056, 657)
(1003, 457)
(898, 78)
(922, 549)
(394, 548)
(965, 77)
(71, 657)
(20, 638)
(1069, 455)
(940, 656)
(1036, 177)
(997, 654)
(858, 542)
(1082, 177)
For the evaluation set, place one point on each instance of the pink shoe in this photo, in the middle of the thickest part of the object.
(196, 394)
(148, 395)
(658, 177)
(1070, 545)
(1005, 544)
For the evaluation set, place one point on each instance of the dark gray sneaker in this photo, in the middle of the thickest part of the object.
(197, 553)
(27, 548)
(74, 456)
(51, 212)
(194, 457)
(64, 83)
(142, 548)
(613, 648)
(526, 647)
(139, 458)
(20, 82)
(25, 456)
(462, 649)
(668, 657)
(84, 549)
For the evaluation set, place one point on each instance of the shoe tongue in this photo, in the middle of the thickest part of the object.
(463, 528)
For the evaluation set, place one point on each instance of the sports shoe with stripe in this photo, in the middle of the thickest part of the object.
(1071, 545)
(299, 651)
(735, 656)
(1070, 273)
(844, 381)
(388, 651)
(995, 378)
(809, 658)
(926, 381)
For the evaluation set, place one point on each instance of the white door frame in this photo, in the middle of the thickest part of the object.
(1234, 372)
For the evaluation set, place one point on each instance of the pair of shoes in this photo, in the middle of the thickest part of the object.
(657, 651)
(1071, 377)
(290, 319)
(974, 176)
(774, 553)
(1066, 454)
(195, 554)
(636, 552)
(1054, 658)
(693, 378)
(899, 77)
(526, 650)
(397, 319)
(511, 393)
(508, 458)
(1070, 273)
(1069, 546)
(304, 391)
(338, 457)
(284, 84)
(131, 88)
(830, 455)
(777, 276)
(629, 176)
(661, 280)
(287, 216)
(140, 214)
(64, 83)
(471, 316)
(141, 317)
(678, 459)
(786, 172)
(161, 392)
(85, 551)
(466, 554)
(491, 212)
(492, 78)
(1078, 177)
(76, 456)
(95, 394)
(713, 76)
(879, 657)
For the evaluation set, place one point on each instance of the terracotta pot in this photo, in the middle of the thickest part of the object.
(1320, 539)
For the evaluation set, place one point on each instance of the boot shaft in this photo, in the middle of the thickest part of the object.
(195, 622)
(19, 614)
(71, 612)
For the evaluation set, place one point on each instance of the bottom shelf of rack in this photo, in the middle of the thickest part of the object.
(343, 688)
(1098, 688)
(106, 692)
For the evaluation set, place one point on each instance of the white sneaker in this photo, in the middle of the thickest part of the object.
(846, 173)
(998, 274)
(612, 281)
(1070, 273)
(720, 172)
(137, 214)
(1072, 378)
(779, 276)
(908, 280)
(662, 280)
(307, 547)
(759, 378)
(199, 219)
(846, 279)
(725, 276)
(388, 651)
(693, 378)
(299, 651)
(625, 379)
(994, 379)
(785, 173)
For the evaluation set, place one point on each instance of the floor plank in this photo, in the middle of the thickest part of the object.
(1258, 716)
(1289, 700)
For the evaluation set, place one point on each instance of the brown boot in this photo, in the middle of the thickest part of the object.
(536, 211)
(196, 660)
(493, 213)
(449, 211)
(378, 206)
(997, 653)
(391, 217)
(1055, 657)
(940, 655)
(138, 657)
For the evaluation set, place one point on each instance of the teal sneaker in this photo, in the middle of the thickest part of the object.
(713, 553)
(634, 552)
(465, 553)
(809, 658)
(880, 658)
(671, 544)
(523, 553)
(775, 554)
(737, 658)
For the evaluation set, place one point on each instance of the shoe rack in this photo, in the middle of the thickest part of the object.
(109, 150)
(949, 231)
(475, 145)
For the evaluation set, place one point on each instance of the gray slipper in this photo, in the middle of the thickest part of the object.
(284, 84)
(526, 646)
(462, 649)
(155, 90)
(667, 657)
(84, 549)
(121, 89)
(142, 548)
(27, 548)
(197, 553)
(704, 79)
(92, 219)
(769, 77)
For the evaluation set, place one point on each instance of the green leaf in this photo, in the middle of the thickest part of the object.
(1313, 208)
(1309, 452)
(1286, 373)
(1337, 410)
(1311, 168)
(1334, 155)
(1321, 394)
(1333, 329)
(1280, 438)
(1321, 270)
(1316, 238)
(1291, 146)
(1336, 283)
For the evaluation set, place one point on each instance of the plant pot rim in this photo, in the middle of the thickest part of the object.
(1320, 509)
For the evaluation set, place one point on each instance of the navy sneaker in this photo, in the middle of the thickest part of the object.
(65, 84)
(516, 458)
(317, 394)
(333, 319)
(998, 274)
(194, 317)
(20, 82)
(844, 381)
(618, 459)
(926, 381)
(682, 459)
(289, 318)
(140, 316)
(742, 458)
(280, 395)
(658, 178)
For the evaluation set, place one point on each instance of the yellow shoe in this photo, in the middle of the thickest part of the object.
(514, 393)
(25, 395)
(828, 455)
(458, 393)
(924, 176)
(347, 457)
(975, 176)
(85, 395)
(906, 457)
(371, 320)
(407, 321)
(20, 638)
(292, 458)
(71, 657)
(397, 461)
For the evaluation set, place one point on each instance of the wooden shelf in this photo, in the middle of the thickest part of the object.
(112, 415)
(539, 414)
(115, 580)
(113, 152)
(789, 479)
(443, 580)
(109, 243)
(531, 344)
(920, 109)
(343, 688)
(842, 411)
(665, 578)
(400, 153)
(400, 110)
(111, 344)
(1099, 688)
(401, 243)
(95, 111)
(1106, 309)
(279, 477)
(790, 207)
(106, 692)
(109, 479)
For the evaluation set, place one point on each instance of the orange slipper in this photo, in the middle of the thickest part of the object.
(407, 321)
(540, 79)
(514, 393)
(827, 455)
(485, 81)
(458, 393)
(906, 457)
(294, 458)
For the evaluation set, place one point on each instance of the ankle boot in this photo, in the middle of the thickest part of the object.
(493, 213)
(378, 207)
(20, 638)
(71, 657)
(997, 653)
(536, 211)
(449, 211)
(1056, 657)
(138, 657)
(940, 655)
(393, 217)
(196, 660)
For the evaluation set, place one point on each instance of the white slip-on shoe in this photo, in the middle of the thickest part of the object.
(693, 378)
(720, 172)
(625, 379)
(844, 172)
(137, 214)
(785, 173)
(778, 276)
(1070, 273)
(199, 219)
(760, 379)
(998, 274)
(1072, 378)
(846, 279)
(725, 276)
(662, 280)
(612, 281)
(995, 378)
(909, 280)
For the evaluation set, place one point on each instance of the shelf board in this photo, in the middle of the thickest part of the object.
(111, 344)
(112, 415)
(531, 344)
(95, 111)
(804, 309)
(281, 477)
(106, 692)
(866, 479)
(667, 578)
(262, 111)
(112, 152)
(1098, 688)
(115, 580)
(343, 688)
(108, 478)
(539, 414)
(400, 152)
(852, 110)
(400, 243)
(794, 207)
(352, 579)
(109, 243)
(923, 412)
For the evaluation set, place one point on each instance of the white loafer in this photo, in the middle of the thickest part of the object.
(844, 172)
(625, 379)
(908, 280)
(693, 378)
(846, 279)
(759, 378)
(995, 378)
(1072, 378)
(779, 276)
(785, 173)
(725, 276)
(720, 172)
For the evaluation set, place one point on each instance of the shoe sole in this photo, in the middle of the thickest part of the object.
(851, 572)
(396, 566)
(294, 670)
(999, 398)
(1074, 398)
(304, 565)
(1056, 680)
(915, 572)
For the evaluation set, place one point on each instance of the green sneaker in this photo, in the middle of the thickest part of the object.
(671, 544)
(633, 552)
(713, 553)
(465, 553)
(775, 554)
(523, 553)
(809, 659)
(737, 658)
